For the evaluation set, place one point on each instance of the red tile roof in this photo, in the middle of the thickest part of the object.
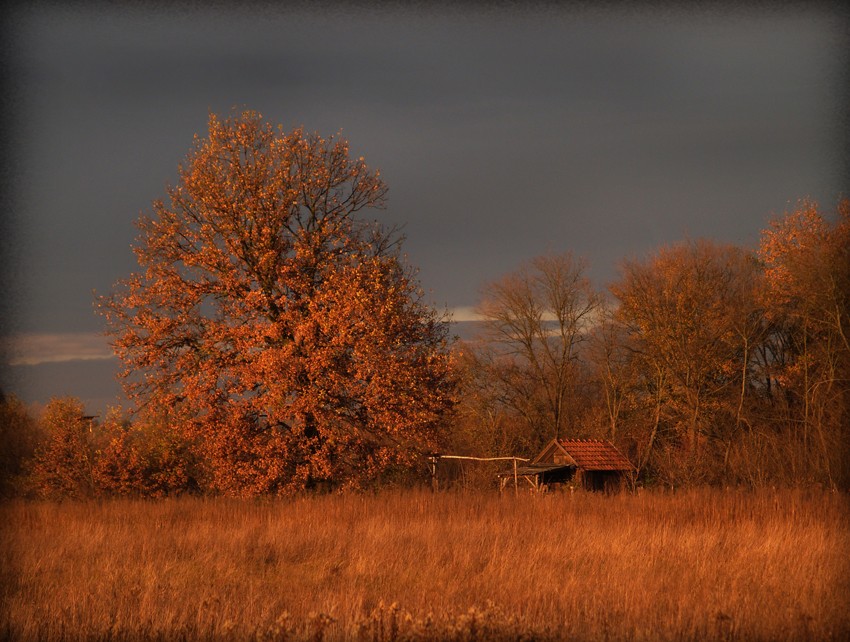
(590, 454)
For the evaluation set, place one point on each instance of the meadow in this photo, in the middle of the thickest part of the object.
(416, 565)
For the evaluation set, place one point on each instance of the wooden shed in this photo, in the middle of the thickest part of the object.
(585, 463)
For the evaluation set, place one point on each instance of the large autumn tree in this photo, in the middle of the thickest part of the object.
(276, 324)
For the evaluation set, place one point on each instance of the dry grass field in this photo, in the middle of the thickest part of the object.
(701, 565)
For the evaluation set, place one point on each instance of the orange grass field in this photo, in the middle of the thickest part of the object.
(699, 565)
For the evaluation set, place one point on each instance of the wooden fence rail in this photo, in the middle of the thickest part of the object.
(434, 458)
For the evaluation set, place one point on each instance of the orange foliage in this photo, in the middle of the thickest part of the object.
(807, 264)
(145, 459)
(63, 462)
(280, 331)
(690, 315)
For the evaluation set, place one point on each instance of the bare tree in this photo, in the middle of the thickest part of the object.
(609, 353)
(535, 319)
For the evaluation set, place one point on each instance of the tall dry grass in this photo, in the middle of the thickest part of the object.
(415, 565)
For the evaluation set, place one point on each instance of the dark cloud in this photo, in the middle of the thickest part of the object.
(93, 382)
(502, 133)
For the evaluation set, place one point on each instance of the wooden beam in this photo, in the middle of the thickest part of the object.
(435, 457)
(478, 458)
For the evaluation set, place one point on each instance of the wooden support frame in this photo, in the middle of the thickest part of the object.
(434, 458)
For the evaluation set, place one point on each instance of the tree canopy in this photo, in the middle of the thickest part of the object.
(276, 325)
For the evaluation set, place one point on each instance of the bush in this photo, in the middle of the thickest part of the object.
(146, 459)
(19, 434)
(64, 461)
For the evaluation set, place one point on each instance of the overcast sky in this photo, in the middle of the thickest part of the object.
(501, 133)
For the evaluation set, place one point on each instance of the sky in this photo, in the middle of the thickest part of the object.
(502, 131)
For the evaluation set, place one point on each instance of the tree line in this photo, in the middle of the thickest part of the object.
(274, 340)
(706, 363)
